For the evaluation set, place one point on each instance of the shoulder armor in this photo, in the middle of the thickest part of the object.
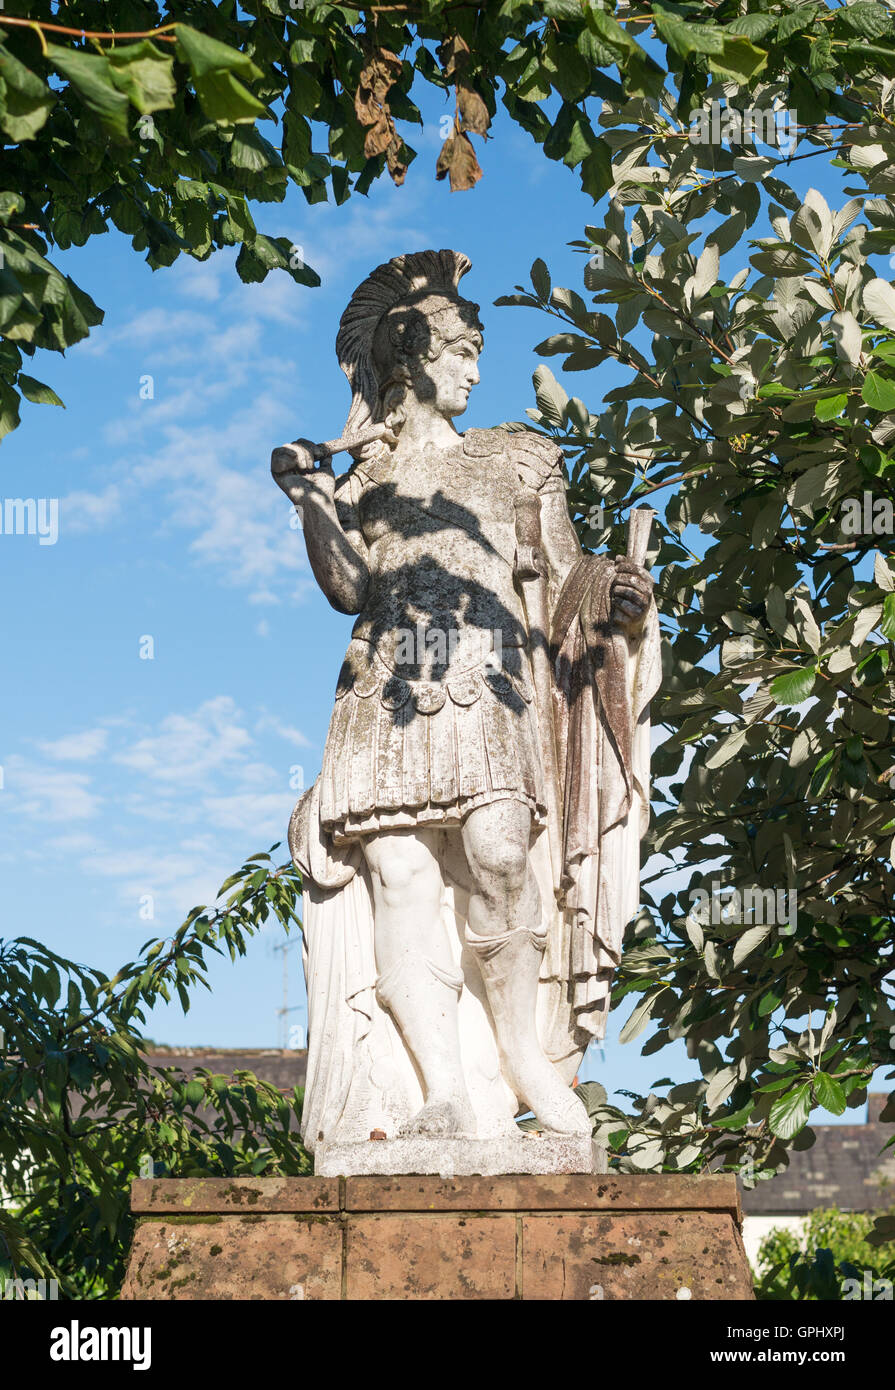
(479, 443)
(539, 461)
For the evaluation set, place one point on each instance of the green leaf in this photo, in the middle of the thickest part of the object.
(540, 279)
(249, 150)
(790, 1113)
(36, 391)
(264, 254)
(867, 17)
(878, 391)
(596, 172)
(771, 999)
(571, 138)
(27, 99)
(794, 22)
(739, 60)
(829, 1093)
(887, 622)
(726, 748)
(685, 38)
(794, 687)
(610, 32)
(91, 77)
(550, 396)
(145, 75)
(831, 407)
(750, 940)
(737, 1120)
(640, 1015)
(879, 301)
(214, 67)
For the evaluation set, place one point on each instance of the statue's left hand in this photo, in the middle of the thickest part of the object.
(630, 595)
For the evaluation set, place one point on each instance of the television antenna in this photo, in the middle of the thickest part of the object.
(285, 1010)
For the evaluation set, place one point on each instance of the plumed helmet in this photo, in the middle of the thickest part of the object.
(404, 282)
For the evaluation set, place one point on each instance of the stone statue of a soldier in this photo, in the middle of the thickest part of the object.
(471, 847)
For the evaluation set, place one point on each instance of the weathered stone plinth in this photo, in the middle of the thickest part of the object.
(576, 1236)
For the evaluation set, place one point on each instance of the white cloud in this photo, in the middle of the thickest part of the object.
(159, 327)
(156, 889)
(76, 843)
(256, 815)
(76, 747)
(210, 481)
(198, 779)
(200, 279)
(188, 748)
(278, 299)
(48, 794)
(340, 241)
(270, 722)
(90, 511)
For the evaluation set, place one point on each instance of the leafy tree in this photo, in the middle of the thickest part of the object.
(82, 1111)
(814, 1266)
(760, 401)
(172, 118)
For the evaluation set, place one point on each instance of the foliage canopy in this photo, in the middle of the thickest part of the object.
(171, 119)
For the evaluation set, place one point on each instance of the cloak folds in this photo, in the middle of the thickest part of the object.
(602, 689)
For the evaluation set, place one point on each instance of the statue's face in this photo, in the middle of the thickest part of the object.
(447, 382)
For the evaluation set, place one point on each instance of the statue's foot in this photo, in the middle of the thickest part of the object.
(440, 1118)
(555, 1105)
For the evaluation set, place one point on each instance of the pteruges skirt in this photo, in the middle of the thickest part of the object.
(404, 753)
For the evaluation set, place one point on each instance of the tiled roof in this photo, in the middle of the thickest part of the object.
(283, 1069)
(844, 1168)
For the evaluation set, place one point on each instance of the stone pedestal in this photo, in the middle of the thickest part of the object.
(573, 1236)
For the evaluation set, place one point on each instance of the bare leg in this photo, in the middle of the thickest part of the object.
(504, 934)
(418, 980)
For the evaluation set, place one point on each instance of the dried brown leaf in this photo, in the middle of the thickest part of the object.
(473, 111)
(458, 162)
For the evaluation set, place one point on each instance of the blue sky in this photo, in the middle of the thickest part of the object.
(127, 780)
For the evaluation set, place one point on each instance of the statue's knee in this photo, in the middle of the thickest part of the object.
(500, 867)
(403, 876)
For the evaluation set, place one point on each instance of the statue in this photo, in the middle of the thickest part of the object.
(471, 848)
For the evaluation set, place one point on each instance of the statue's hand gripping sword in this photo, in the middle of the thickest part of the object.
(303, 456)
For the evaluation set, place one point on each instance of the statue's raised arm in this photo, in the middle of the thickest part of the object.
(335, 546)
